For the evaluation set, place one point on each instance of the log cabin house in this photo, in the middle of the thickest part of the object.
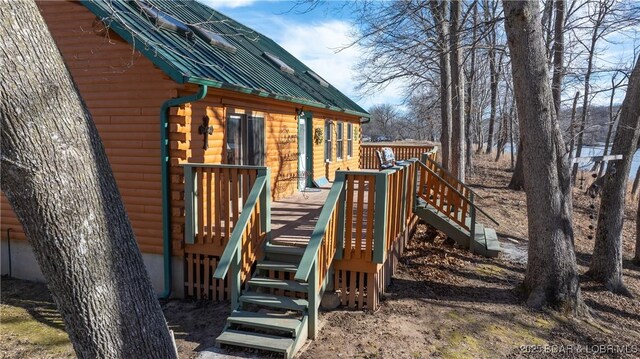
(138, 69)
(223, 146)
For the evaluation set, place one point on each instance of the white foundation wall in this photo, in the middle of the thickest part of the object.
(25, 266)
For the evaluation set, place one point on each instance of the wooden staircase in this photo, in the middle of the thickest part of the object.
(273, 310)
(484, 241)
(449, 205)
(275, 295)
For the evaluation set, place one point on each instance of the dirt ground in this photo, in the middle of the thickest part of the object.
(443, 302)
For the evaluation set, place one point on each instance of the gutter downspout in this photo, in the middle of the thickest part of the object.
(164, 171)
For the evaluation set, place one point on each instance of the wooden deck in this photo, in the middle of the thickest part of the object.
(293, 218)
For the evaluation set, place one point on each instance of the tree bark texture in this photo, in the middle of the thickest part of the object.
(56, 175)
(457, 95)
(439, 11)
(558, 55)
(612, 120)
(636, 183)
(636, 259)
(551, 277)
(494, 73)
(517, 179)
(572, 125)
(470, 104)
(606, 262)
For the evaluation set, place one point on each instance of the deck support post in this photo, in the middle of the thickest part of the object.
(265, 203)
(340, 177)
(189, 205)
(235, 282)
(313, 301)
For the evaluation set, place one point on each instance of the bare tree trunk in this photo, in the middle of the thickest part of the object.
(612, 120)
(457, 92)
(636, 259)
(511, 115)
(558, 55)
(494, 72)
(502, 136)
(440, 12)
(470, 85)
(517, 179)
(551, 277)
(57, 178)
(636, 182)
(502, 129)
(587, 80)
(572, 127)
(606, 262)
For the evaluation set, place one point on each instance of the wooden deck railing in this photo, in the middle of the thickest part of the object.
(363, 217)
(458, 206)
(437, 168)
(369, 159)
(226, 206)
(246, 240)
(318, 257)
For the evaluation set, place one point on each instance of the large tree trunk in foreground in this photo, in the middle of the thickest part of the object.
(58, 181)
(551, 277)
(439, 11)
(457, 95)
(517, 179)
(606, 262)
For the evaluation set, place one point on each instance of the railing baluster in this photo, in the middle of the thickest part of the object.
(189, 184)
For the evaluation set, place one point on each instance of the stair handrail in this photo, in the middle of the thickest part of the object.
(471, 203)
(310, 256)
(440, 167)
(232, 255)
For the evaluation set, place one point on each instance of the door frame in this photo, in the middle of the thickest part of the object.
(308, 118)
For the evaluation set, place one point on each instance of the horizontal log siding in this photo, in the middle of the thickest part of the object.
(123, 91)
(320, 167)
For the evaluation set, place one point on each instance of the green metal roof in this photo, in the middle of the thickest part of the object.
(192, 60)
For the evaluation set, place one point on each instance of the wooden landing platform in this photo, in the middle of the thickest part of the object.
(293, 218)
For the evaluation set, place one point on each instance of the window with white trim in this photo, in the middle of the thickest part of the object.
(327, 142)
(339, 141)
(349, 140)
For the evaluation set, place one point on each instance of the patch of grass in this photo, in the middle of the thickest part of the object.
(23, 336)
(489, 270)
(515, 334)
(462, 346)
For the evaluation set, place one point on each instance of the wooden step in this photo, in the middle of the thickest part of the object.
(291, 285)
(440, 221)
(271, 321)
(281, 249)
(277, 266)
(477, 242)
(493, 245)
(274, 301)
(257, 341)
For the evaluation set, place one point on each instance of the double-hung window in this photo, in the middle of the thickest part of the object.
(339, 142)
(349, 140)
(327, 142)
